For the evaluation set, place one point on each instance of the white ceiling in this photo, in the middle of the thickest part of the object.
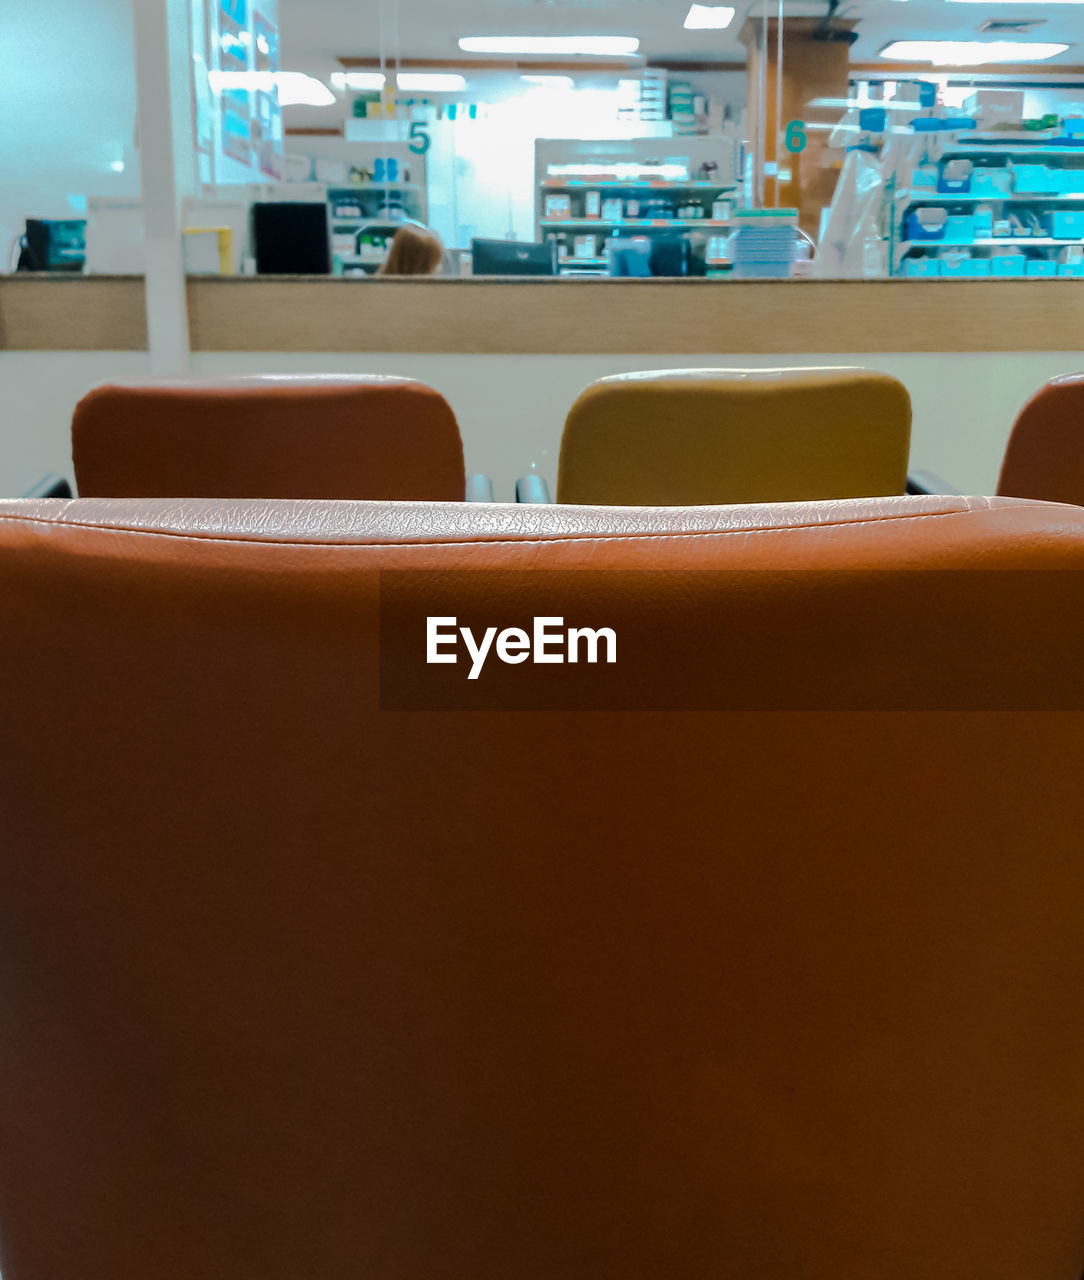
(316, 32)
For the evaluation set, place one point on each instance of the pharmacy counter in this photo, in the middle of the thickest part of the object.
(554, 317)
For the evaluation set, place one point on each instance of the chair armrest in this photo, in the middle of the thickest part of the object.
(479, 488)
(532, 489)
(928, 482)
(50, 486)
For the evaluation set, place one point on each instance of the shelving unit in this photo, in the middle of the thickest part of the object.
(376, 202)
(662, 177)
(1003, 164)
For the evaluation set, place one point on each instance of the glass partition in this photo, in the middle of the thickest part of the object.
(879, 140)
(68, 147)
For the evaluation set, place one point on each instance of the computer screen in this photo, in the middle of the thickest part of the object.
(54, 245)
(291, 239)
(670, 255)
(630, 257)
(513, 258)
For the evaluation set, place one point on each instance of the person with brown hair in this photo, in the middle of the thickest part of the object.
(415, 251)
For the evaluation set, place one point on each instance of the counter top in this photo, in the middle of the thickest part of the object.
(553, 316)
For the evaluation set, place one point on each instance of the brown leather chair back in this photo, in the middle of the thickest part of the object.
(268, 437)
(754, 955)
(1045, 454)
(736, 435)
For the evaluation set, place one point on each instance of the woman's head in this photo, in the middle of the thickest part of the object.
(415, 251)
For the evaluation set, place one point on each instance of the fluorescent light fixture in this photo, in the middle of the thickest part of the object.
(357, 80)
(970, 53)
(622, 172)
(588, 46)
(709, 17)
(117, 166)
(550, 82)
(296, 89)
(860, 104)
(430, 82)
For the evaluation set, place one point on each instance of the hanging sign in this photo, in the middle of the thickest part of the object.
(795, 137)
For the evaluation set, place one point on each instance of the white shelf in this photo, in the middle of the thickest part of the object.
(653, 184)
(996, 149)
(374, 186)
(636, 223)
(1013, 242)
(1015, 198)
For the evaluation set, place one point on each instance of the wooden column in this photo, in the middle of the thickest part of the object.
(812, 69)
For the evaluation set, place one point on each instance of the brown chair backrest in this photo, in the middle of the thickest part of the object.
(268, 437)
(736, 435)
(754, 955)
(1045, 454)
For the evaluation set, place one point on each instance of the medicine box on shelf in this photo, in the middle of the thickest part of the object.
(1008, 264)
(1036, 179)
(959, 228)
(926, 224)
(1042, 267)
(1071, 269)
(991, 182)
(953, 264)
(1066, 224)
(921, 267)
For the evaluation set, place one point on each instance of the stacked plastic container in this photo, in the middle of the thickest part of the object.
(763, 246)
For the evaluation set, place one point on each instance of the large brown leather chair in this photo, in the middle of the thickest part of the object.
(1045, 455)
(734, 435)
(268, 436)
(754, 955)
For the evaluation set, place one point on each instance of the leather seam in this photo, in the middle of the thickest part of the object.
(467, 541)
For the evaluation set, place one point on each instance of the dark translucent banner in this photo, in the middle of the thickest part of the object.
(847, 640)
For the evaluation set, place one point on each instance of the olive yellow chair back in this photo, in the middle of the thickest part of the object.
(702, 436)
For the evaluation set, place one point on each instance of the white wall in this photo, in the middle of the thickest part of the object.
(67, 109)
(511, 408)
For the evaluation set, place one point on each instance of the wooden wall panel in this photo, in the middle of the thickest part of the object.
(563, 317)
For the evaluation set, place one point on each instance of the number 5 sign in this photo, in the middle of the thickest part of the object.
(794, 139)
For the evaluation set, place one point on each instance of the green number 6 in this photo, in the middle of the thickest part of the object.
(794, 139)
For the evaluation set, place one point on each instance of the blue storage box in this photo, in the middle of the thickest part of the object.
(955, 178)
(1041, 267)
(991, 182)
(926, 224)
(963, 264)
(1071, 269)
(1036, 179)
(1066, 224)
(921, 267)
(924, 179)
(1007, 264)
(959, 228)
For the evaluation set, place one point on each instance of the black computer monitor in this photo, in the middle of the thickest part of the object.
(52, 244)
(630, 257)
(670, 255)
(291, 239)
(513, 258)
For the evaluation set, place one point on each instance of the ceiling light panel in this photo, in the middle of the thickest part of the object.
(970, 53)
(587, 46)
(709, 17)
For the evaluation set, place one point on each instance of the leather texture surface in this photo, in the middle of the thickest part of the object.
(268, 436)
(291, 985)
(729, 435)
(1045, 454)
